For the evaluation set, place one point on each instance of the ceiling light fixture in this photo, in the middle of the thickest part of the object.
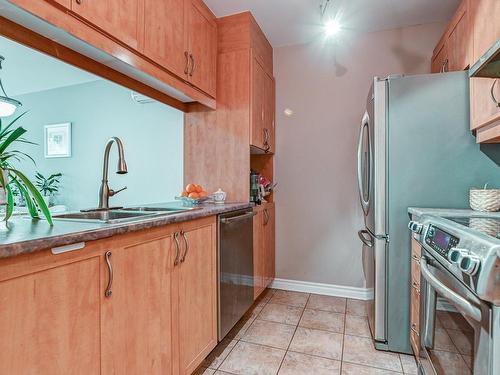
(8, 105)
(331, 26)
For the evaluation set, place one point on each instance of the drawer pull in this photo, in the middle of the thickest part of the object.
(415, 258)
(416, 287)
(414, 329)
(66, 248)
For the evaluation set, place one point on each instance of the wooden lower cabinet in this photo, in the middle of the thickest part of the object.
(263, 248)
(136, 319)
(61, 314)
(49, 321)
(415, 297)
(196, 300)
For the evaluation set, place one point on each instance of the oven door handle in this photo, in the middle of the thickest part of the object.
(461, 303)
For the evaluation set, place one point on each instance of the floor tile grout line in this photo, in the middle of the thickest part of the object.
(343, 340)
(294, 332)
(371, 366)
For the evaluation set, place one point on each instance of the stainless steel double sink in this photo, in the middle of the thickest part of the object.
(119, 215)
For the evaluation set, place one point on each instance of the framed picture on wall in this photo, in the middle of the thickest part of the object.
(57, 140)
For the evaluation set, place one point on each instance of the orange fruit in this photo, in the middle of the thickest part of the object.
(184, 194)
(191, 188)
(199, 189)
(202, 194)
(193, 195)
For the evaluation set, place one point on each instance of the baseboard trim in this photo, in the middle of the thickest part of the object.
(326, 289)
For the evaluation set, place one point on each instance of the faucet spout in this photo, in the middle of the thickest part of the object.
(105, 192)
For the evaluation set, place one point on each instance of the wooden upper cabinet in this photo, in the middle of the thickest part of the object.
(257, 114)
(123, 19)
(49, 321)
(485, 113)
(484, 16)
(64, 3)
(136, 319)
(440, 59)
(269, 113)
(460, 39)
(164, 36)
(196, 285)
(202, 46)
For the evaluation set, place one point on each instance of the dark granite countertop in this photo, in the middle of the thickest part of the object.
(27, 236)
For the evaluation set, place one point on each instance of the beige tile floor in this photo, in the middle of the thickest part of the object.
(291, 333)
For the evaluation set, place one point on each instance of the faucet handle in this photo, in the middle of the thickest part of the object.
(114, 192)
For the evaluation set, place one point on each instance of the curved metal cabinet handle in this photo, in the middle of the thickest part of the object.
(362, 237)
(186, 69)
(78, 2)
(178, 246)
(108, 292)
(193, 64)
(184, 235)
(444, 66)
(460, 302)
(492, 93)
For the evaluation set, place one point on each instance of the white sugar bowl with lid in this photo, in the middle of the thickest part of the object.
(219, 196)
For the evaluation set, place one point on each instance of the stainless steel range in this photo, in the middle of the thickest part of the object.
(459, 295)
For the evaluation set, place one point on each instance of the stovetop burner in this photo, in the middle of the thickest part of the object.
(486, 225)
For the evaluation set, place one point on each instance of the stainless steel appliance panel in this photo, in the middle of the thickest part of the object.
(455, 325)
(235, 259)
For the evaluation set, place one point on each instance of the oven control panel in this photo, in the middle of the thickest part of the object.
(440, 240)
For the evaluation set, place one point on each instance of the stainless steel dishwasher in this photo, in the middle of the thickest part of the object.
(235, 262)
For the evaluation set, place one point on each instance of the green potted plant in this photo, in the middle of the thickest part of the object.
(48, 186)
(11, 176)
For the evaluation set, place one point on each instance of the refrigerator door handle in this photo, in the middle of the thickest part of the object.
(364, 202)
(365, 237)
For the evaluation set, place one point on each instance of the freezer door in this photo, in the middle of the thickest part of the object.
(365, 167)
(372, 159)
(374, 253)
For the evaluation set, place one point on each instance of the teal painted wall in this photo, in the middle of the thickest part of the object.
(152, 135)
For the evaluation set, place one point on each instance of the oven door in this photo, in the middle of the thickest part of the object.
(454, 325)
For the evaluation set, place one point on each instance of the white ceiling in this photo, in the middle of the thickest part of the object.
(288, 22)
(26, 70)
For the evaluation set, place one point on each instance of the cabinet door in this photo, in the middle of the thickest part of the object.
(164, 35)
(269, 105)
(460, 40)
(123, 19)
(484, 110)
(486, 28)
(136, 319)
(202, 36)
(197, 297)
(258, 252)
(257, 83)
(49, 321)
(269, 247)
(440, 60)
(64, 3)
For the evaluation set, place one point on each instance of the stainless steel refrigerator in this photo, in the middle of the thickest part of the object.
(415, 149)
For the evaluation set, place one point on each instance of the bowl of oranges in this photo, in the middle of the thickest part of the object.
(193, 194)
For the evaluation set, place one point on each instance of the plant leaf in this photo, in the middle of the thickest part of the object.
(24, 193)
(11, 138)
(2, 133)
(10, 202)
(36, 195)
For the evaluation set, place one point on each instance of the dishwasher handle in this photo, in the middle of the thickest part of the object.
(229, 220)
